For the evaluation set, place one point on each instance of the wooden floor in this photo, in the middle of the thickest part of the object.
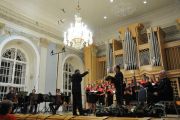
(70, 117)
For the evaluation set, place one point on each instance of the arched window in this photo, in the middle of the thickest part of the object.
(67, 73)
(12, 71)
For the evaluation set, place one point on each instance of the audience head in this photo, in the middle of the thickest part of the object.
(5, 107)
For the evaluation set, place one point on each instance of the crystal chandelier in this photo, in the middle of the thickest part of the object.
(78, 35)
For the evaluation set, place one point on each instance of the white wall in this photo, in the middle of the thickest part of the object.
(51, 70)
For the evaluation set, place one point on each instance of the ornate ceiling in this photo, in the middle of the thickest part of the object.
(48, 12)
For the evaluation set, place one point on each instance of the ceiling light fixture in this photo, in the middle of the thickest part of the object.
(78, 35)
(111, 1)
(105, 17)
(145, 2)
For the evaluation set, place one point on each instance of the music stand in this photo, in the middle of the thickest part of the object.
(46, 99)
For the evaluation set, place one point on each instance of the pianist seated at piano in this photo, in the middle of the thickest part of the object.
(57, 102)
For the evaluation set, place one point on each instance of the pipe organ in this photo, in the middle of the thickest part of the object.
(146, 51)
(141, 50)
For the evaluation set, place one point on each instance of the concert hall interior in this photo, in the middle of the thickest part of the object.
(90, 59)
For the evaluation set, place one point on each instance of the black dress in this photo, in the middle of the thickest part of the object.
(109, 98)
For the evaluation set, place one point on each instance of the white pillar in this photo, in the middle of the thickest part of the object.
(43, 59)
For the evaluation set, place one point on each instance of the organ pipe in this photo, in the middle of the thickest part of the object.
(130, 53)
(154, 49)
(109, 56)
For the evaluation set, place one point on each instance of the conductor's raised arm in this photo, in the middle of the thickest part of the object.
(84, 74)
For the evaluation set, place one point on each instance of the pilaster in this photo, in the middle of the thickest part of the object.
(90, 63)
(43, 44)
(2, 28)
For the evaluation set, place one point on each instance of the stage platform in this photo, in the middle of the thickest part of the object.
(70, 117)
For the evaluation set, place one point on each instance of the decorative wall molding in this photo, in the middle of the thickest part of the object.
(2, 25)
(12, 31)
(44, 42)
(26, 22)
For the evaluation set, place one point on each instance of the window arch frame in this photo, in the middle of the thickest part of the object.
(19, 71)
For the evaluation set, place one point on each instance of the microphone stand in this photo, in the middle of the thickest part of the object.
(57, 53)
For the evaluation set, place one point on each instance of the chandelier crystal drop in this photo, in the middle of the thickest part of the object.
(78, 35)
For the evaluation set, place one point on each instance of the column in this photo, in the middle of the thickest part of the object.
(43, 44)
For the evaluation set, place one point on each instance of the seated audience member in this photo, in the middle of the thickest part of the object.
(5, 110)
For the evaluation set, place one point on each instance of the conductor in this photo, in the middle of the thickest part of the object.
(76, 91)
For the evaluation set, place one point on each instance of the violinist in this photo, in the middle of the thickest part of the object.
(54, 106)
(33, 102)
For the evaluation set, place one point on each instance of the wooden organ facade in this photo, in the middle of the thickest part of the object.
(142, 51)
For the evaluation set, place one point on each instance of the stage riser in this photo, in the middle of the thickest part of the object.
(70, 117)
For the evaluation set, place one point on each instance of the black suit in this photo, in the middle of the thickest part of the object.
(58, 101)
(76, 92)
(118, 83)
(165, 90)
